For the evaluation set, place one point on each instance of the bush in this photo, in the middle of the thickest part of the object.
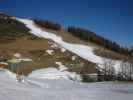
(86, 78)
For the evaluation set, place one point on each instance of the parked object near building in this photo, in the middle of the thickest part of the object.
(16, 63)
(3, 65)
(13, 63)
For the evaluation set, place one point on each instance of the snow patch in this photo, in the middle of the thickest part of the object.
(50, 52)
(61, 66)
(25, 59)
(54, 45)
(54, 73)
(17, 55)
(73, 58)
(63, 50)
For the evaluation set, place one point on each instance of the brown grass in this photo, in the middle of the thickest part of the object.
(36, 50)
(109, 54)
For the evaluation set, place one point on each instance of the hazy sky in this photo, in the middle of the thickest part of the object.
(109, 18)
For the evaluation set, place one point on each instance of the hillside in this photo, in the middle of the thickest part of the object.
(11, 30)
(51, 47)
(38, 50)
(68, 37)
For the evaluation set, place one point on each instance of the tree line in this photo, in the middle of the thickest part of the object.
(47, 24)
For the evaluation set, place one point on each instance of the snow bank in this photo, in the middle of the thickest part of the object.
(37, 88)
(54, 73)
(34, 89)
(8, 74)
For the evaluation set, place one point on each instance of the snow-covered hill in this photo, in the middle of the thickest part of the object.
(84, 51)
(53, 67)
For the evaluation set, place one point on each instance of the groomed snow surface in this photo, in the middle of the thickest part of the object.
(34, 88)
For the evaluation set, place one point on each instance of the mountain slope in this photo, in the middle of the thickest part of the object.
(84, 51)
(46, 64)
(52, 48)
(38, 49)
(81, 50)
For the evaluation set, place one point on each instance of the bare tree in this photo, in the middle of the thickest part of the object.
(130, 71)
(126, 70)
(108, 69)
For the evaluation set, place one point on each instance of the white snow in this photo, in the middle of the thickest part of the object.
(45, 89)
(18, 55)
(54, 45)
(63, 50)
(54, 73)
(4, 63)
(6, 73)
(61, 66)
(25, 59)
(50, 52)
(73, 58)
(93, 74)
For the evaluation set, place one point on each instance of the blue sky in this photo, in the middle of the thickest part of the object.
(112, 19)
